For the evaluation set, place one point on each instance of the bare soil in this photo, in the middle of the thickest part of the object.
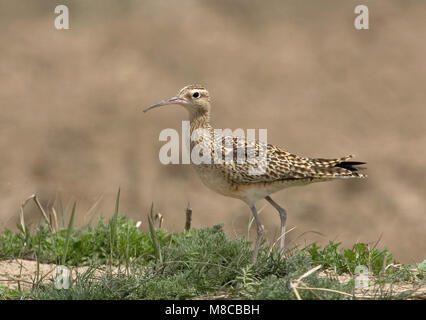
(24, 272)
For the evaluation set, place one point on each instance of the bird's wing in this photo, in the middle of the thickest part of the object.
(278, 164)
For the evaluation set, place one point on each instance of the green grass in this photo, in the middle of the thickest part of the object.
(347, 260)
(189, 264)
(82, 246)
(8, 294)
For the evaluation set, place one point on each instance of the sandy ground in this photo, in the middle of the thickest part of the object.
(24, 272)
(71, 125)
(13, 271)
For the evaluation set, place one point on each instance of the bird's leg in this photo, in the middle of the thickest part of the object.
(260, 231)
(283, 217)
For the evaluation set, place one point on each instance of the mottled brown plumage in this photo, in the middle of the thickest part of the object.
(225, 169)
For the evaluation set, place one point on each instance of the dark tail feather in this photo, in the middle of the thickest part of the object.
(351, 165)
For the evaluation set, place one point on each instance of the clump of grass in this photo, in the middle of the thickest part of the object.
(398, 273)
(82, 246)
(207, 257)
(8, 293)
(274, 287)
(347, 260)
(11, 244)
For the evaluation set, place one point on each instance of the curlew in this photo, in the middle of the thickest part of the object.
(234, 177)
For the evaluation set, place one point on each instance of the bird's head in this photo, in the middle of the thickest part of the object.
(193, 98)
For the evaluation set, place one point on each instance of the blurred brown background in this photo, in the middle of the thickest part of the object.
(72, 126)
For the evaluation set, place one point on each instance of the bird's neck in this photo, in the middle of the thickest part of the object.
(200, 120)
(201, 131)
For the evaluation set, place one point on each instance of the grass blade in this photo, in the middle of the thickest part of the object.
(157, 249)
(68, 235)
(113, 228)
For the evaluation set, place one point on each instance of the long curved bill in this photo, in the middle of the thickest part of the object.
(174, 100)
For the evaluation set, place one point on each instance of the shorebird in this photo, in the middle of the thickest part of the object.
(234, 178)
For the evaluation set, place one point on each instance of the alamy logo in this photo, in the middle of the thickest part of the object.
(62, 21)
(215, 146)
(361, 21)
(62, 277)
(361, 277)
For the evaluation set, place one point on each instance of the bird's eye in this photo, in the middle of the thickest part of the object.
(196, 94)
